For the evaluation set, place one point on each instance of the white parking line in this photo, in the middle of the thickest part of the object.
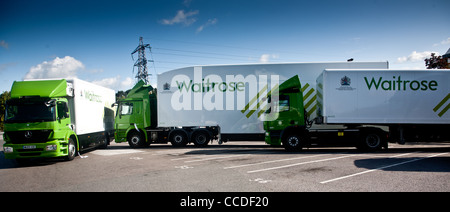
(384, 167)
(110, 152)
(271, 161)
(209, 155)
(214, 158)
(297, 164)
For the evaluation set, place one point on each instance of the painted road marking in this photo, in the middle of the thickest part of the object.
(384, 167)
(271, 161)
(214, 158)
(298, 164)
(111, 152)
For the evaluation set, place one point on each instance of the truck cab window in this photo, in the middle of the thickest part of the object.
(63, 110)
(126, 108)
(282, 103)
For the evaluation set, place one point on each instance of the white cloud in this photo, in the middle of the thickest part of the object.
(66, 67)
(266, 57)
(210, 22)
(444, 42)
(181, 18)
(416, 56)
(116, 83)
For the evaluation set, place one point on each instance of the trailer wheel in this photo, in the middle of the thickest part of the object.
(201, 138)
(178, 138)
(104, 142)
(293, 142)
(136, 140)
(371, 141)
(71, 150)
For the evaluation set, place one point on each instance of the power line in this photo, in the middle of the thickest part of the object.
(207, 53)
(196, 56)
(243, 48)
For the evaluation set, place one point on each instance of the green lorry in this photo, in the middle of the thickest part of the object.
(136, 122)
(57, 118)
(363, 108)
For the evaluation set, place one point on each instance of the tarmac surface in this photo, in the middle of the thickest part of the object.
(236, 167)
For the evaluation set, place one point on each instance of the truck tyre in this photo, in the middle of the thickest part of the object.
(136, 140)
(293, 142)
(71, 150)
(178, 138)
(201, 138)
(371, 141)
(104, 142)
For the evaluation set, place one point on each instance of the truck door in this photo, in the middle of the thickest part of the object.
(123, 119)
(63, 116)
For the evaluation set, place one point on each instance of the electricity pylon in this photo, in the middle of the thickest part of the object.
(141, 62)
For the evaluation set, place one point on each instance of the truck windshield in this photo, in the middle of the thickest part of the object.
(31, 111)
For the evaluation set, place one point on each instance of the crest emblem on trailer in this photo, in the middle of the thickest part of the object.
(345, 84)
(346, 81)
(166, 86)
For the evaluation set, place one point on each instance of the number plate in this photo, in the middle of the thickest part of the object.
(29, 147)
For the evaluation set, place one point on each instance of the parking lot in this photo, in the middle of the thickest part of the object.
(236, 166)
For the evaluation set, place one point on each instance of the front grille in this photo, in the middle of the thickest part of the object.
(31, 150)
(30, 154)
(29, 136)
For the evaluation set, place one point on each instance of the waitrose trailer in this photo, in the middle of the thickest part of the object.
(200, 103)
(57, 118)
(414, 105)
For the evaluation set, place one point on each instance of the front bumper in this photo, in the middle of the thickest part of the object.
(55, 148)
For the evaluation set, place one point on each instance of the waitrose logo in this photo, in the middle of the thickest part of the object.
(209, 86)
(399, 84)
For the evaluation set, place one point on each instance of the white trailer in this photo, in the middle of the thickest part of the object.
(230, 96)
(384, 96)
(414, 104)
(91, 111)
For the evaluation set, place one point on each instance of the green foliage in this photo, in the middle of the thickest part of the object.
(3, 97)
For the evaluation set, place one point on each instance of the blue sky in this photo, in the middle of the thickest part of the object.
(93, 40)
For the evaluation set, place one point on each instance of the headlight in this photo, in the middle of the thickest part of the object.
(51, 147)
(8, 149)
(267, 134)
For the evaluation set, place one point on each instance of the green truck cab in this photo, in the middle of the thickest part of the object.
(291, 120)
(135, 114)
(37, 121)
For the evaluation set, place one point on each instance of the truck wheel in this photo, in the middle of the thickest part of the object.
(201, 138)
(178, 138)
(371, 141)
(293, 142)
(136, 140)
(104, 142)
(71, 150)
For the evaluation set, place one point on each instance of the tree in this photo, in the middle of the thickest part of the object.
(3, 97)
(438, 62)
